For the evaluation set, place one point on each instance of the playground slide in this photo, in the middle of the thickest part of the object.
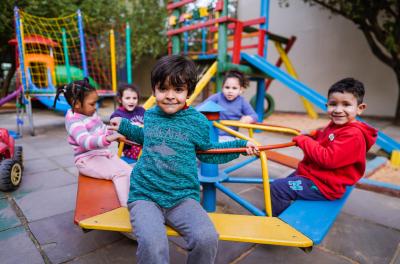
(61, 77)
(11, 96)
(199, 87)
(384, 141)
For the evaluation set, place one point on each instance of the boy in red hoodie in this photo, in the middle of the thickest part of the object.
(334, 157)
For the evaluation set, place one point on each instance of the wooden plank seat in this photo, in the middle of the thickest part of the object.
(98, 208)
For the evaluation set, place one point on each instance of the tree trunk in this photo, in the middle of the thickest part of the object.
(397, 115)
(5, 87)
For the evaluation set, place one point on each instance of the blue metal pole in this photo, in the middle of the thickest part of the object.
(260, 99)
(82, 42)
(240, 165)
(20, 49)
(264, 12)
(210, 170)
(185, 39)
(246, 204)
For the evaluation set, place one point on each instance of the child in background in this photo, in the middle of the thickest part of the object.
(334, 157)
(90, 138)
(236, 107)
(128, 98)
(165, 185)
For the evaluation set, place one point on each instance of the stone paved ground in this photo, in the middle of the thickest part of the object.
(36, 221)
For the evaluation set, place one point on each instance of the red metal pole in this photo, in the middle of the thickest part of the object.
(237, 39)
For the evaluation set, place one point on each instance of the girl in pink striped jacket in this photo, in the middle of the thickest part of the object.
(90, 138)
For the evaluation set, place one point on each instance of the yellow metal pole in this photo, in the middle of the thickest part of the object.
(235, 123)
(215, 42)
(265, 177)
(149, 103)
(289, 67)
(113, 64)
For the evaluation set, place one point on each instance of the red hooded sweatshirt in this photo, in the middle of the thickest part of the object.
(335, 158)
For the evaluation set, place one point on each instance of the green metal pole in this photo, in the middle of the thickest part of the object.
(222, 47)
(66, 56)
(128, 53)
(176, 45)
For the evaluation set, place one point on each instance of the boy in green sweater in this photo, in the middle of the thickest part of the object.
(164, 187)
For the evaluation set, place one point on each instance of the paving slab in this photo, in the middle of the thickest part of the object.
(2, 195)
(46, 203)
(38, 165)
(8, 218)
(229, 251)
(17, 247)
(290, 255)
(44, 181)
(64, 160)
(62, 241)
(123, 251)
(361, 240)
(374, 207)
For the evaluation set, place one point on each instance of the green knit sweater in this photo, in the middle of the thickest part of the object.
(166, 173)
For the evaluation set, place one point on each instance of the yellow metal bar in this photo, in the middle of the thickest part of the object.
(113, 64)
(251, 132)
(235, 123)
(265, 177)
(203, 82)
(120, 148)
(292, 72)
(234, 133)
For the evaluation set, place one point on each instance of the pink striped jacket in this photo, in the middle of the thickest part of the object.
(86, 134)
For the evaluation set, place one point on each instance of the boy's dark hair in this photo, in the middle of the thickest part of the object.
(243, 81)
(125, 86)
(349, 85)
(177, 69)
(74, 92)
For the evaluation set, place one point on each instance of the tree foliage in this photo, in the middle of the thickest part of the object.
(147, 20)
(379, 21)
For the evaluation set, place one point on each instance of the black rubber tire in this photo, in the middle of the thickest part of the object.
(10, 175)
(269, 106)
(19, 155)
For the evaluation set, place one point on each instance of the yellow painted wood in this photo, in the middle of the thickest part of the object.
(395, 158)
(239, 228)
(203, 82)
(149, 103)
(292, 72)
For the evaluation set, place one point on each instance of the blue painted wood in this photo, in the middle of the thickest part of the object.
(128, 160)
(314, 218)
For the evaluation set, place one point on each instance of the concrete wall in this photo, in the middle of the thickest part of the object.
(327, 49)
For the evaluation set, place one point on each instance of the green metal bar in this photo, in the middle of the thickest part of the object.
(128, 53)
(176, 45)
(222, 47)
(66, 56)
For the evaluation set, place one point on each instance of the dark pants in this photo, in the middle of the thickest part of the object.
(293, 187)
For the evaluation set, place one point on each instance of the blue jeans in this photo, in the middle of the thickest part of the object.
(291, 188)
(188, 218)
